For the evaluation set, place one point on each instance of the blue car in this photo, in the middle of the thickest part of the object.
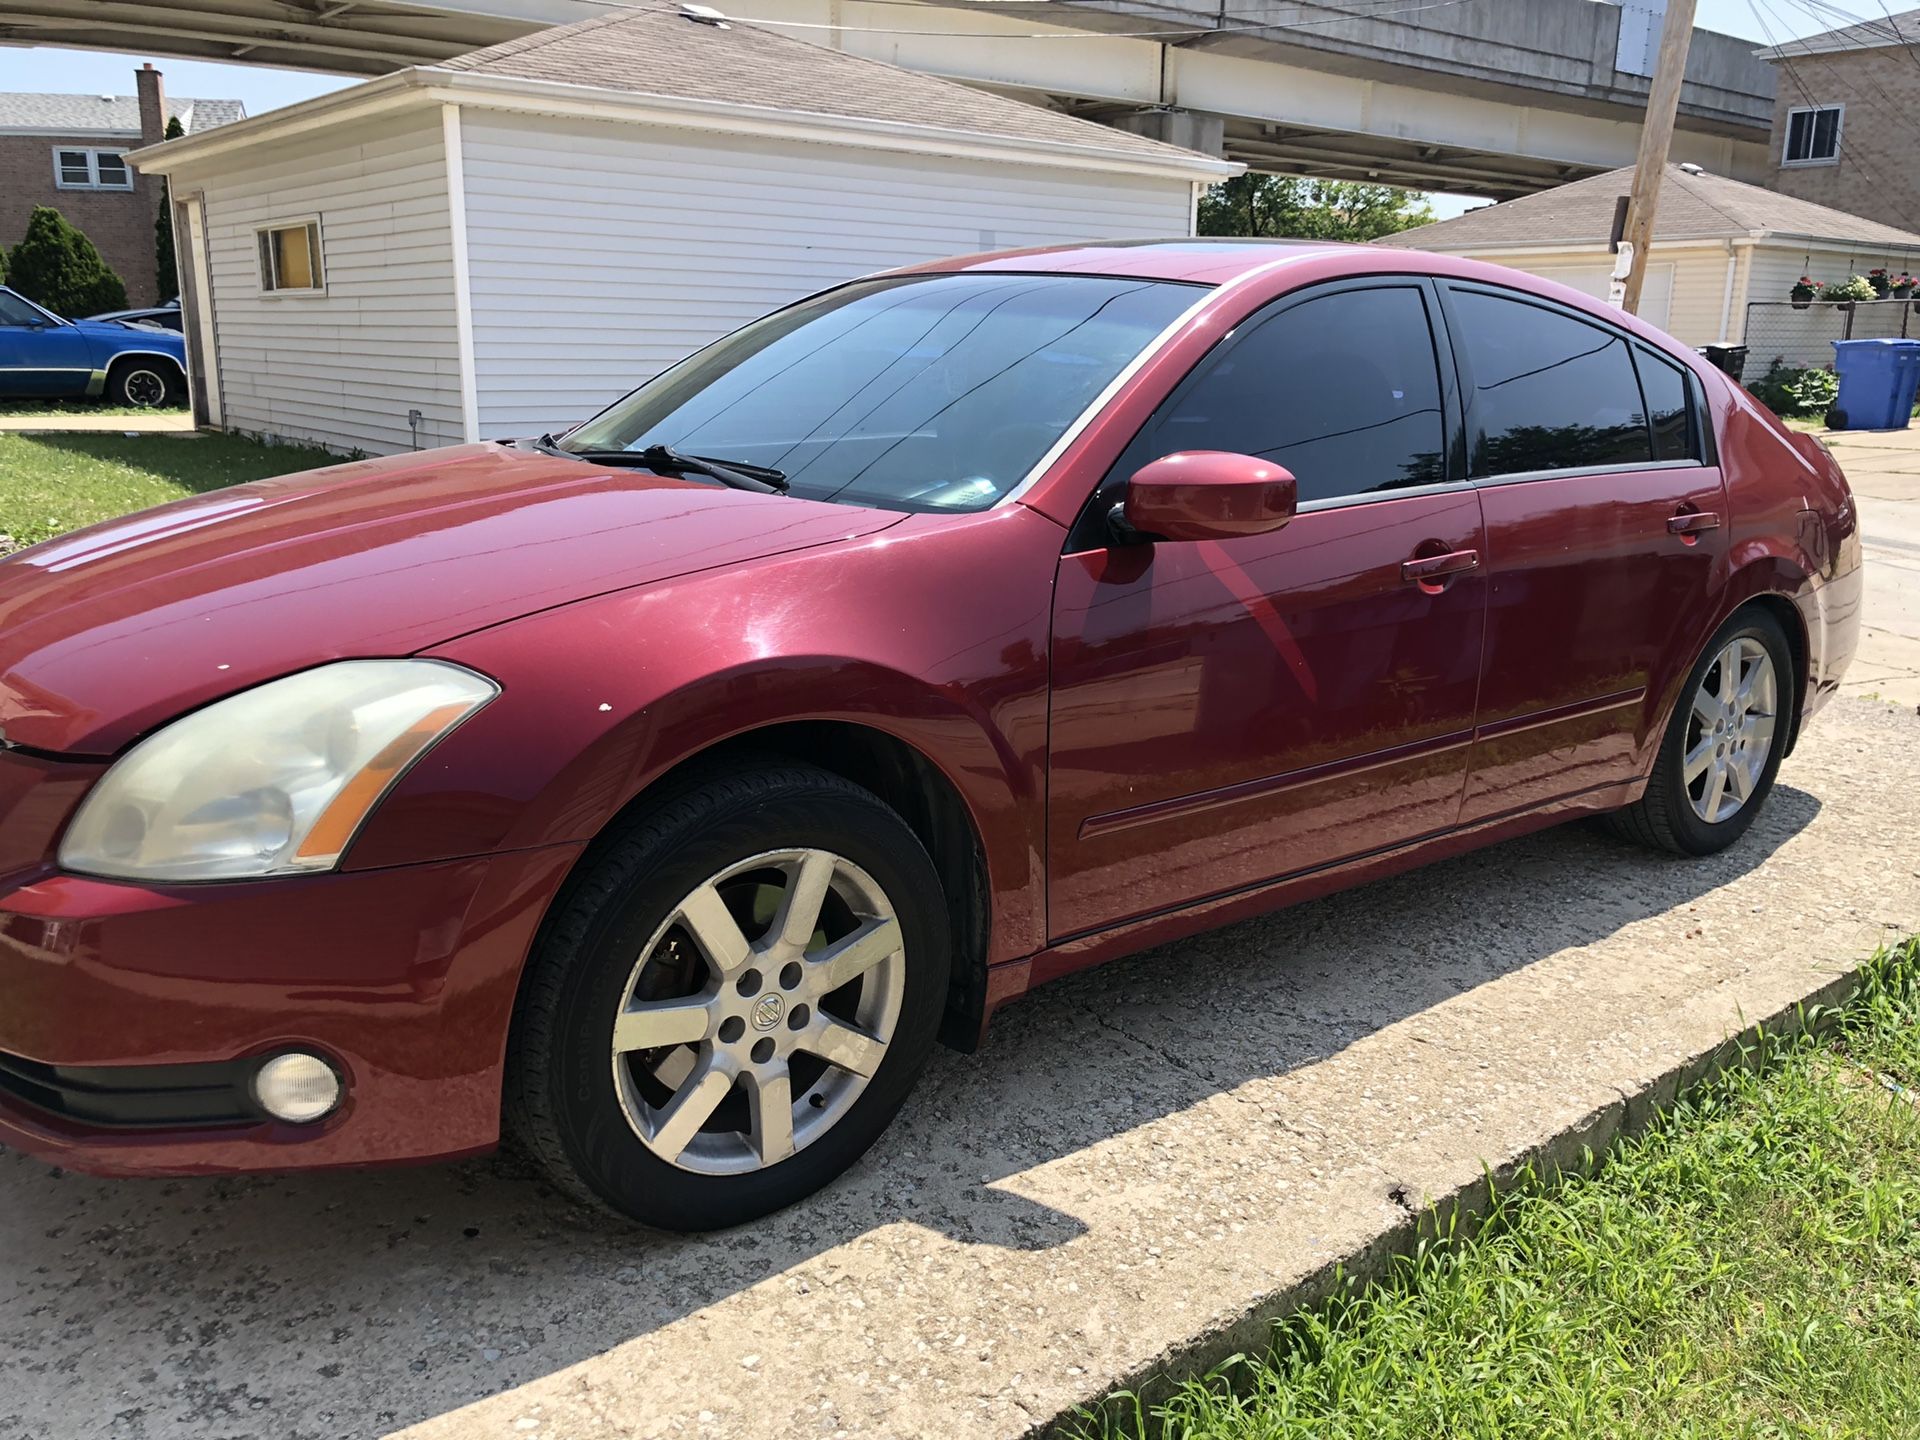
(42, 354)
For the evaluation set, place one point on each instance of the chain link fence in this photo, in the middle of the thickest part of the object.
(1778, 331)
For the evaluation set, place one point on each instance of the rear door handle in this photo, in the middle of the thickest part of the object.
(1431, 572)
(1692, 522)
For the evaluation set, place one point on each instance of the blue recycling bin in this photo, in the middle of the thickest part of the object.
(1878, 381)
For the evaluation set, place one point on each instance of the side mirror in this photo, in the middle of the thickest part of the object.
(1206, 495)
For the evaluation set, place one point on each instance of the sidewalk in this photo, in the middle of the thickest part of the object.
(169, 422)
(1883, 466)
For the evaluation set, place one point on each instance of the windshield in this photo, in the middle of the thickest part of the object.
(929, 392)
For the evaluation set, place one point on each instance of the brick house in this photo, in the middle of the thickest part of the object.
(1845, 132)
(69, 151)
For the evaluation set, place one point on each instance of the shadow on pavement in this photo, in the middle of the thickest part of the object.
(353, 1303)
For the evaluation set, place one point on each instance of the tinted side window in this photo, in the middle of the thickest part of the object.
(18, 312)
(1549, 392)
(1343, 390)
(1666, 391)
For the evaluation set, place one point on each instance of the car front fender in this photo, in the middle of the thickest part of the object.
(933, 633)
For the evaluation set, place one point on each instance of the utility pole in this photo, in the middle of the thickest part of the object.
(1656, 136)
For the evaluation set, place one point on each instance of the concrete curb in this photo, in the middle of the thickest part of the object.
(1569, 1151)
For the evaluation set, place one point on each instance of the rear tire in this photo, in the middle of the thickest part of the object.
(1710, 779)
(689, 982)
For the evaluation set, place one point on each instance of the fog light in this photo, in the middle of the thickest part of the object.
(297, 1088)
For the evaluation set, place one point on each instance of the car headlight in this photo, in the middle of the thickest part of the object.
(272, 781)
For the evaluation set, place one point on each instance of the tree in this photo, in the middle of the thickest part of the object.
(56, 265)
(1294, 207)
(3, 264)
(166, 268)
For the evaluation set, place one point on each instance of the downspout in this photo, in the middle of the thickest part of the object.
(1734, 247)
(462, 280)
(1726, 299)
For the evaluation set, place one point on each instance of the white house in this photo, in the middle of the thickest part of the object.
(504, 243)
(1719, 245)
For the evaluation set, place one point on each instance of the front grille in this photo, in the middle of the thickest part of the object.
(132, 1097)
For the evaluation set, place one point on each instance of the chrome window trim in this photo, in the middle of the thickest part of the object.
(1521, 477)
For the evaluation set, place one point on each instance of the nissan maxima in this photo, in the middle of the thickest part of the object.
(660, 793)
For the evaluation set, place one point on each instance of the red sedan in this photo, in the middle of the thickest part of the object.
(662, 793)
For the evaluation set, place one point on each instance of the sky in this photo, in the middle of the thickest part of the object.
(95, 72)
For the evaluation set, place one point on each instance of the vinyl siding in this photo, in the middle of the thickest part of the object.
(600, 254)
(1804, 337)
(342, 368)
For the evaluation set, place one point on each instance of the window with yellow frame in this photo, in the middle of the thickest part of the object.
(290, 258)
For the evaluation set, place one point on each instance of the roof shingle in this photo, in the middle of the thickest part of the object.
(1888, 29)
(108, 114)
(655, 49)
(1692, 207)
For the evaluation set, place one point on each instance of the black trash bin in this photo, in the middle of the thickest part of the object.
(1730, 358)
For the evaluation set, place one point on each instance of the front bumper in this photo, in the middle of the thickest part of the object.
(404, 978)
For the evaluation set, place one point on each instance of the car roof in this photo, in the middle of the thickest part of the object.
(1200, 260)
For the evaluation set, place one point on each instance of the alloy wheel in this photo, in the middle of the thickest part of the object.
(145, 389)
(1731, 730)
(757, 1013)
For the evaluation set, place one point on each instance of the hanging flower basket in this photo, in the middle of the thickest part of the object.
(1804, 289)
(1877, 278)
(1848, 293)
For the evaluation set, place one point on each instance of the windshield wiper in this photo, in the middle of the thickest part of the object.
(762, 479)
(665, 458)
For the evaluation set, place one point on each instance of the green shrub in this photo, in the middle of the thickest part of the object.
(1788, 390)
(56, 265)
(166, 269)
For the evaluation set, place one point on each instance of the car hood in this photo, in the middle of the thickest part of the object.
(110, 631)
(116, 332)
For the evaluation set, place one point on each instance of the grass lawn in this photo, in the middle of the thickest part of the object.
(1750, 1268)
(57, 408)
(50, 484)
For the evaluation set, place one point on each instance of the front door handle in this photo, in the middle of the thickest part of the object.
(1689, 525)
(1432, 572)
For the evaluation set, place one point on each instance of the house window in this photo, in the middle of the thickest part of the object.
(91, 170)
(1813, 135)
(290, 257)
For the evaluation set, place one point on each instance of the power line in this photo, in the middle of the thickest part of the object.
(1187, 34)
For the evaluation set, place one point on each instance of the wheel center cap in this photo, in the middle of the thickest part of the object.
(767, 1011)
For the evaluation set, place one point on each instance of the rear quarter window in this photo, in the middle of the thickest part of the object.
(1669, 411)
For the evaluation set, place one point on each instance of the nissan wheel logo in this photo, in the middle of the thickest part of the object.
(767, 1011)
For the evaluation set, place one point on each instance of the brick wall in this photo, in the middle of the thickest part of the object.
(119, 222)
(1878, 173)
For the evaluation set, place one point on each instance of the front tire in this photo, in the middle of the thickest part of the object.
(731, 1001)
(1723, 744)
(145, 385)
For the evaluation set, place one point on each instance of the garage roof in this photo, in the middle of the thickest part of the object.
(660, 49)
(665, 63)
(1693, 206)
